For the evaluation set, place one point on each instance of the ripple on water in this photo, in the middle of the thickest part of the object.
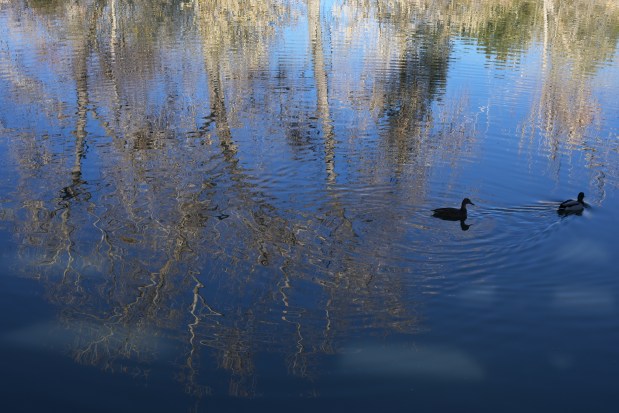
(500, 241)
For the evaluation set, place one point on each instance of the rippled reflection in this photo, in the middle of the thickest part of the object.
(209, 181)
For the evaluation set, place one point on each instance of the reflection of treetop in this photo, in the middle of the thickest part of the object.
(501, 26)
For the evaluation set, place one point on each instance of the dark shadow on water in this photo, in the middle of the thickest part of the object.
(463, 225)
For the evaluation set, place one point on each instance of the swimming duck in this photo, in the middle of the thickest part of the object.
(453, 214)
(573, 206)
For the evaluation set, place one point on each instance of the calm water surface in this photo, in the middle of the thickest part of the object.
(226, 206)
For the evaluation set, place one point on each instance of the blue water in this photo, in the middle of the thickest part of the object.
(212, 206)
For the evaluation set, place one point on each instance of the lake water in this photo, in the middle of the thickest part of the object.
(227, 205)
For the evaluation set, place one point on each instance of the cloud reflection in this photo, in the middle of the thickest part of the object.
(591, 300)
(425, 362)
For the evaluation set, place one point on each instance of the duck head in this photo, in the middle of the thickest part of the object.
(466, 201)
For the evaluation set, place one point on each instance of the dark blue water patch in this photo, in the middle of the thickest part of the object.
(406, 377)
(526, 342)
(36, 381)
(39, 377)
(23, 294)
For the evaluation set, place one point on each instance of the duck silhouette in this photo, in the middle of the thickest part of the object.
(572, 206)
(453, 214)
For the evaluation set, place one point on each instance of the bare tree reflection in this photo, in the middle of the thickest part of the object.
(166, 243)
(565, 108)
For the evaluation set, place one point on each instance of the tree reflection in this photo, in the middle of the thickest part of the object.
(166, 238)
(565, 108)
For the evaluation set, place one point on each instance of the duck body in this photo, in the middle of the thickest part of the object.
(453, 214)
(571, 206)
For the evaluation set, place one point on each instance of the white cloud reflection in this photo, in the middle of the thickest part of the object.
(426, 362)
(587, 300)
(82, 337)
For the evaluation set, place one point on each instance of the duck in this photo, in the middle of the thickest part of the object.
(573, 206)
(453, 214)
